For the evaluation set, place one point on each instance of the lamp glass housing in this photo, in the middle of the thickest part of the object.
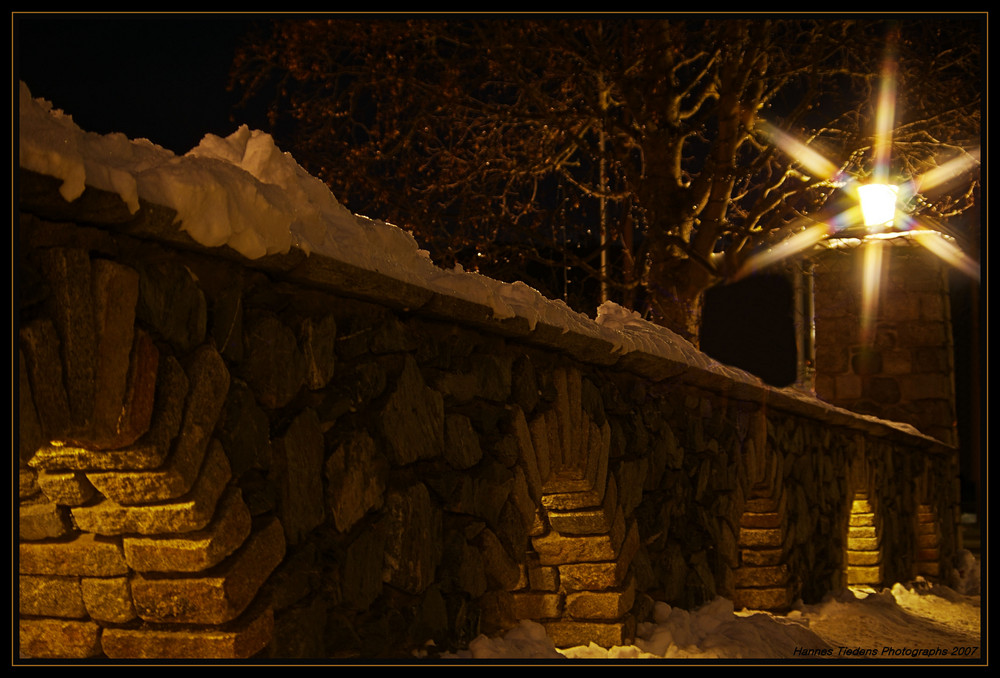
(878, 204)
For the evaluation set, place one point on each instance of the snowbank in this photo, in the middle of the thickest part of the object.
(918, 621)
(243, 192)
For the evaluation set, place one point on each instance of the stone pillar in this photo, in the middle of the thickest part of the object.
(905, 372)
(132, 544)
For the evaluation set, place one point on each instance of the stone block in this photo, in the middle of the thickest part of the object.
(862, 532)
(542, 578)
(148, 452)
(929, 540)
(413, 418)
(298, 633)
(761, 520)
(492, 483)
(587, 521)
(847, 387)
(298, 460)
(68, 273)
(925, 386)
(861, 519)
(756, 538)
(209, 381)
(896, 362)
(68, 488)
(496, 612)
(189, 513)
(861, 574)
(361, 572)
(772, 599)
(604, 605)
(215, 596)
(50, 596)
(414, 539)
(526, 452)
(601, 576)
(863, 543)
(240, 639)
(171, 302)
(862, 506)
(42, 521)
(499, 566)
(115, 292)
(27, 485)
(39, 344)
(356, 476)
(108, 599)
(520, 496)
(928, 554)
(864, 557)
(766, 576)
(317, 339)
(29, 428)
(542, 433)
(274, 366)
(193, 551)
(461, 442)
(537, 605)
(86, 555)
(929, 569)
(566, 634)
(45, 638)
(556, 549)
(761, 557)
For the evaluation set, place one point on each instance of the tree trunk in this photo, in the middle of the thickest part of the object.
(676, 292)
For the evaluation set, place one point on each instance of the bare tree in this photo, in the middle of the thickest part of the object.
(632, 152)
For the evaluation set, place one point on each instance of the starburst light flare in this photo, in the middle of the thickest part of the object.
(889, 205)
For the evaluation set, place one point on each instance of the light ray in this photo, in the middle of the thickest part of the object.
(801, 153)
(801, 241)
(942, 175)
(885, 116)
(810, 233)
(948, 252)
(870, 285)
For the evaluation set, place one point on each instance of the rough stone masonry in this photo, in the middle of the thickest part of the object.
(290, 458)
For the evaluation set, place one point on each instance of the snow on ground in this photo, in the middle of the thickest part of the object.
(918, 622)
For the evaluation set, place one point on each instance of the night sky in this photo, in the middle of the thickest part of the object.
(162, 78)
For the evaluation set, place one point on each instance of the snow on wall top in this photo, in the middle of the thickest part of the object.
(242, 191)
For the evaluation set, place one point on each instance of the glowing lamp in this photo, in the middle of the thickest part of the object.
(878, 204)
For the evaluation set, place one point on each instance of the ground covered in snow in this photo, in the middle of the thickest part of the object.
(916, 623)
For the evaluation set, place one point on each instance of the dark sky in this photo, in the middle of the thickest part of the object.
(162, 78)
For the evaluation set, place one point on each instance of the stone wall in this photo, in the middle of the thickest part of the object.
(290, 458)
